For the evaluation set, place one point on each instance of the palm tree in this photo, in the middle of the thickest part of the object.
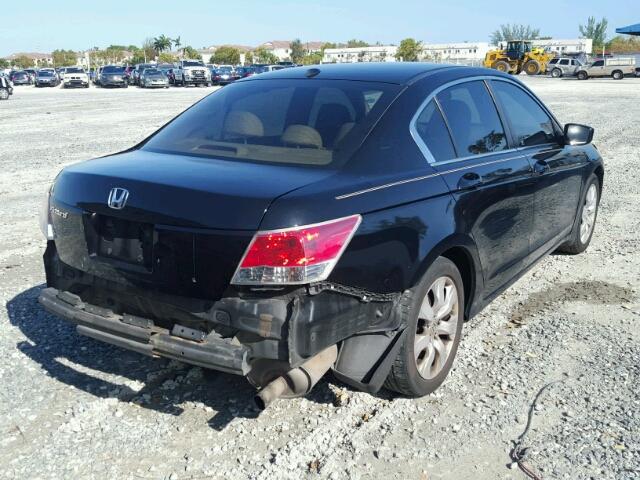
(177, 43)
(162, 43)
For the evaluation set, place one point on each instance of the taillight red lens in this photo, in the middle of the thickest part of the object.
(296, 255)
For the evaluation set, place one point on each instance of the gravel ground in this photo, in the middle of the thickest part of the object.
(72, 407)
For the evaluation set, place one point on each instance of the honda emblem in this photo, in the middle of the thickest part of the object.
(118, 198)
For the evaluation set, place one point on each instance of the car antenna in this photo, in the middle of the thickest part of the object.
(312, 72)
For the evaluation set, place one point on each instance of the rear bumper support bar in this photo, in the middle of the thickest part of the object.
(101, 324)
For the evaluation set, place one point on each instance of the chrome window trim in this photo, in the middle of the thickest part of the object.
(425, 177)
(423, 147)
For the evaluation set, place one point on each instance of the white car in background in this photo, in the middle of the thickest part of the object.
(75, 77)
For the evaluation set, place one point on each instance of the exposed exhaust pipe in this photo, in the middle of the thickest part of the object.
(299, 381)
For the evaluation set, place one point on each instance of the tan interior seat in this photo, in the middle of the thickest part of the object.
(241, 124)
(302, 136)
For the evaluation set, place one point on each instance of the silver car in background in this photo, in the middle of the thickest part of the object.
(563, 66)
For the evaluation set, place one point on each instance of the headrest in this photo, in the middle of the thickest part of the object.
(302, 135)
(243, 124)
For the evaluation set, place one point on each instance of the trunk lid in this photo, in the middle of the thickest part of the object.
(184, 227)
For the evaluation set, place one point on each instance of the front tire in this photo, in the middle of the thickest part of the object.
(434, 314)
(4, 94)
(617, 75)
(586, 219)
(582, 75)
(532, 67)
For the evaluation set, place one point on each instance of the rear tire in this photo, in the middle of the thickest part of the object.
(556, 73)
(4, 94)
(586, 220)
(434, 313)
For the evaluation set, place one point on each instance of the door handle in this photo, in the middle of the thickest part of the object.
(541, 167)
(469, 180)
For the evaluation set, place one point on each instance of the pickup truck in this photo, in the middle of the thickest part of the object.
(192, 72)
(614, 67)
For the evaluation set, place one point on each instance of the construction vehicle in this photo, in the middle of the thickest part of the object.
(519, 55)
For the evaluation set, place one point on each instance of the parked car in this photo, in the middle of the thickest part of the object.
(153, 78)
(113, 76)
(614, 67)
(223, 76)
(563, 66)
(318, 251)
(75, 77)
(21, 78)
(192, 72)
(32, 73)
(46, 78)
(244, 72)
(6, 87)
(137, 71)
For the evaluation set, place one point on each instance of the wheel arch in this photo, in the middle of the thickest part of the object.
(462, 251)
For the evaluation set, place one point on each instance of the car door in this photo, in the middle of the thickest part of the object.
(491, 182)
(564, 65)
(557, 167)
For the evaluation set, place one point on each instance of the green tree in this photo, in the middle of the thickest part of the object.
(621, 44)
(23, 61)
(597, 31)
(226, 55)
(162, 43)
(507, 33)
(353, 43)
(313, 58)
(4, 63)
(262, 55)
(149, 51)
(248, 58)
(166, 57)
(328, 45)
(298, 51)
(191, 53)
(409, 50)
(177, 43)
(64, 58)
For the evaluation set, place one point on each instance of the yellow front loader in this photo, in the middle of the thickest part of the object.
(519, 55)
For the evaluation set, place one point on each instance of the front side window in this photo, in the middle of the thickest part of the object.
(529, 123)
(305, 122)
(553, 61)
(599, 63)
(433, 131)
(473, 119)
(564, 62)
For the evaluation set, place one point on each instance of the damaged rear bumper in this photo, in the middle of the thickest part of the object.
(141, 335)
(246, 332)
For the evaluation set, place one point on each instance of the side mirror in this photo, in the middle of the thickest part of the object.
(576, 134)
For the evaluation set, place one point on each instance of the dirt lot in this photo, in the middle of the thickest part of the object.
(75, 408)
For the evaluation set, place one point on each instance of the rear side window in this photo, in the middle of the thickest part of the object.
(433, 131)
(473, 119)
(303, 122)
(529, 123)
(564, 62)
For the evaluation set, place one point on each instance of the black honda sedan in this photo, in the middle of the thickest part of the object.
(344, 217)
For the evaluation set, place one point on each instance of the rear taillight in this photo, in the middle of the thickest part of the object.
(295, 255)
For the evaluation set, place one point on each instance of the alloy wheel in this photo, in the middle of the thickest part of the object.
(436, 328)
(588, 218)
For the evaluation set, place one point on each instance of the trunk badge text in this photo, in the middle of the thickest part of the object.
(118, 198)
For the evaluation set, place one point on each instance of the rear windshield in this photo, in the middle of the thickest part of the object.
(304, 122)
(113, 70)
(46, 73)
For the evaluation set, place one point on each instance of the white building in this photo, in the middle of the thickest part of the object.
(452, 52)
(560, 46)
(282, 48)
(378, 53)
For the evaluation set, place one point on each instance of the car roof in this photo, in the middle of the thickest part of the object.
(389, 72)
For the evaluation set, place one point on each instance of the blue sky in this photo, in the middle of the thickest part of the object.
(27, 25)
